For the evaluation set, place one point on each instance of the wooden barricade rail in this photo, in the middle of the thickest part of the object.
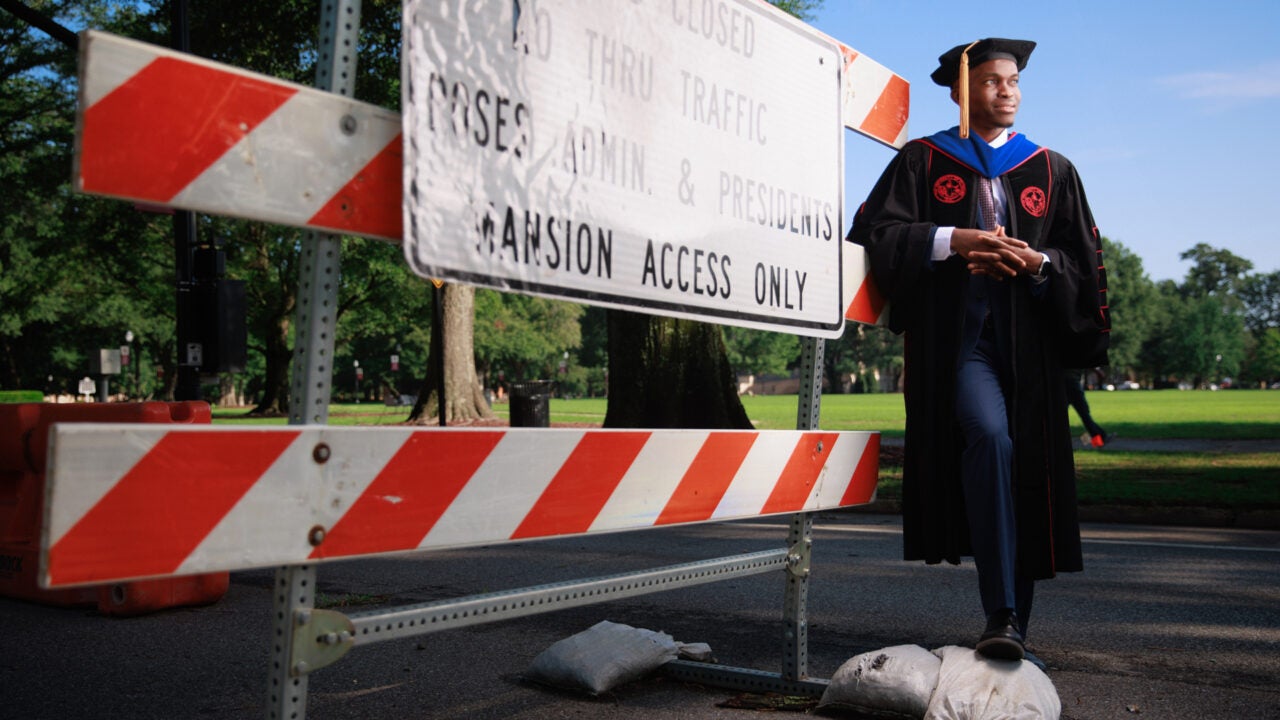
(130, 501)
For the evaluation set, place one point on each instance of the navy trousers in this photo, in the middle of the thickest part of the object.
(987, 475)
(1075, 396)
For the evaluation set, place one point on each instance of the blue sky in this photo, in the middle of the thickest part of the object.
(1166, 108)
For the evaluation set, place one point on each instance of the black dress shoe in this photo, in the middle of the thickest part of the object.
(1001, 640)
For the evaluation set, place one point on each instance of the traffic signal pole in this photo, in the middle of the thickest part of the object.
(184, 243)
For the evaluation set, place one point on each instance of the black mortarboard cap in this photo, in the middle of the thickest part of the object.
(983, 50)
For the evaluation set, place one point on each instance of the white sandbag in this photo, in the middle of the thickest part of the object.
(972, 687)
(602, 657)
(897, 680)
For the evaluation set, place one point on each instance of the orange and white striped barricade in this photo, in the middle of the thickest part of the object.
(169, 129)
(245, 145)
(866, 305)
(129, 502)
(163, 128)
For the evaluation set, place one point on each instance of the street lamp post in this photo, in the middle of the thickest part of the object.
(395, 374)
(359, 376)
(127, 356)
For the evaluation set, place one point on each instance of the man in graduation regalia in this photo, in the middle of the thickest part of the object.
(986, 249)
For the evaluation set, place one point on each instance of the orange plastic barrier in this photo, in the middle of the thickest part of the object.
(24, 433)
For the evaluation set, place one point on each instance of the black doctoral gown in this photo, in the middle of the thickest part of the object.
(1061, 324)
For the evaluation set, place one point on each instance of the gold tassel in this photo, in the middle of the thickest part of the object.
(963, 78)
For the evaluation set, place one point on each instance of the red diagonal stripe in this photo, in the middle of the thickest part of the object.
(867, 303)
(157, 514)
(865, 476)
(370, 203)
(408, 497)
(583, 485)
(156, 132)
(801, 472)
(707, 478)
(889, 114)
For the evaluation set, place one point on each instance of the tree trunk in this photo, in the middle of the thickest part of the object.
(669, 373)
(463, 396)
(167, 372)
(832, 357)
(275, 383)
(228, 394)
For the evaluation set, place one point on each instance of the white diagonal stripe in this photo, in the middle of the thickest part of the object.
(842, 460)
(289, 167)
(864, 80)
(296, 494)
(504, 488)
(92, 462)
(114, 61)
(758, 476)
(650, 481)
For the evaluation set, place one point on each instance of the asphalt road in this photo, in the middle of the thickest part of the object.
(1165, 623)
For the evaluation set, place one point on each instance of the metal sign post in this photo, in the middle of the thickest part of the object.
(312, 376)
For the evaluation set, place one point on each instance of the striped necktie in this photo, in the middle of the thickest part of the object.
(986, 203)
(987, 210)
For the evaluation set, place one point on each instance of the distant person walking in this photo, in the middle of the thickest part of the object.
(1094, 435)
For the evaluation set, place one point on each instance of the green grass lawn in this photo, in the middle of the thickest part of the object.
(1238, 481)
(1235, 481)
(1151, 479)
(1155, 414)
(1159, 414)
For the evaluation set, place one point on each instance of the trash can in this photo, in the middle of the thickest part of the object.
(530, 403)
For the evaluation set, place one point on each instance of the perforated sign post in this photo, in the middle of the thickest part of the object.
(646, 155)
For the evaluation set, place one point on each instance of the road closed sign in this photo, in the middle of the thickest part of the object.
(677, 157)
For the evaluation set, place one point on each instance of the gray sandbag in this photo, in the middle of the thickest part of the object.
(695, 652)
(602, 657)
(896, 682)
(972, 687)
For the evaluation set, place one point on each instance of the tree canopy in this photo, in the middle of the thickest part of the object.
(77, 272)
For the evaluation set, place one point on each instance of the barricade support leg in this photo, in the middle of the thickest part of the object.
(795, 656)
(795, 612)
(287, 685)
(743, 679)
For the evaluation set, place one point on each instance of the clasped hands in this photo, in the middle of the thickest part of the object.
(995, 254)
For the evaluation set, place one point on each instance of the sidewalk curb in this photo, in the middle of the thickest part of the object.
(1255, 519)
(1258, 519)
